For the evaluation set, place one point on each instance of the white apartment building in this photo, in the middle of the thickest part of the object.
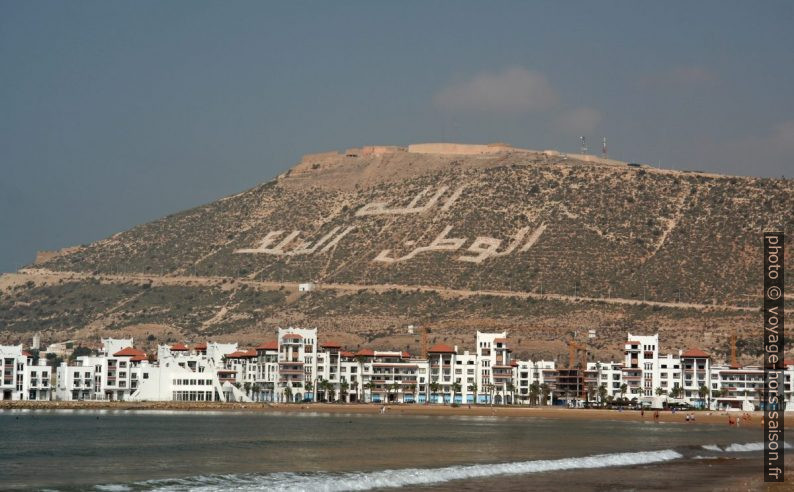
(22, 380)
(296, 367)
(122, 372)
(528, 373)
(495, 369)
(266, 379)
(297, 364)
(113, 374)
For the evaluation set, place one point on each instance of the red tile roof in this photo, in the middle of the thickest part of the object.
(179, 347)
(441, 348)
(129, 352)
(268, 346)
(200, 346)
(242, 354)
(292, 335)
(365, 353)
(26, 353)
(139, 358)
(346, 353)
(695, 352)
(331, 344)
(406, 355)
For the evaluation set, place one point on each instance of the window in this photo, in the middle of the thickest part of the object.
(145, 375)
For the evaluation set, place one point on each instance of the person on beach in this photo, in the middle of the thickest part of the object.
(687, 417)
(730, 421)
(656, 416)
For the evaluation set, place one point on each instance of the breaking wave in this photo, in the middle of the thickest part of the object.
(331, 482)
(739, 447)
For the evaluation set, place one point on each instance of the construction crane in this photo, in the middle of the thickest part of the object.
(734, 362)
(573, 348)
(423, 331)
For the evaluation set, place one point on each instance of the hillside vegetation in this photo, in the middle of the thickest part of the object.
(514, 222)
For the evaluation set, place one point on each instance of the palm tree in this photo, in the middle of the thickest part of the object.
(288, 393)
(368, 386)
(534, 393)
(623, 388)
(325, 386)
(434, 386)
(473, 391)
(410, 389)
(344, 387)
(309, 387)
(455, 390)
(257, 389)
(545, 391)
(393, 388)
(320, 387)
(602, 392)
(247, 387)
(703, 392)
(512, 390)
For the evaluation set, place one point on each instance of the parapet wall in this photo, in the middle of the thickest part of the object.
(320, 157)
(45, 256)
(374, 150)
(460, 149)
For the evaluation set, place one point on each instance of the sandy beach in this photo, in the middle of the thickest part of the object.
(701, 417)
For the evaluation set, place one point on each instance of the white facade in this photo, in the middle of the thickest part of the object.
(297, 364)
(22, 380)
(296, 367)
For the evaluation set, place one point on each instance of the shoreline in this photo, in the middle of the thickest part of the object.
(666, 416)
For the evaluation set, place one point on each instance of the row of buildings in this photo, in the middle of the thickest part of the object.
(298, 367)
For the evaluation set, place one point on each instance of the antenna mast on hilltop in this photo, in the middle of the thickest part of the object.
(604, 148)
(584, 144)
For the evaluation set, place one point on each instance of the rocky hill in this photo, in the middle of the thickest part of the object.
(458, 237)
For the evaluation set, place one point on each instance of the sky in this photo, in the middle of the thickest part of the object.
(117, 113)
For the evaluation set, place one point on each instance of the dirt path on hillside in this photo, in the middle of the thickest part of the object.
(42, 276)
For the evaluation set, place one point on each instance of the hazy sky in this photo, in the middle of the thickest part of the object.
(116, 113)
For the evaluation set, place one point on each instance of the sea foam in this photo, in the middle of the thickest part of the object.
(332, 482)
(740, 447)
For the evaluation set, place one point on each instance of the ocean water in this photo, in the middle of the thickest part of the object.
(175, 451)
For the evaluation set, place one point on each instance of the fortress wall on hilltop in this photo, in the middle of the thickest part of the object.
(460, 149)
(374, 150)
(320, 157)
